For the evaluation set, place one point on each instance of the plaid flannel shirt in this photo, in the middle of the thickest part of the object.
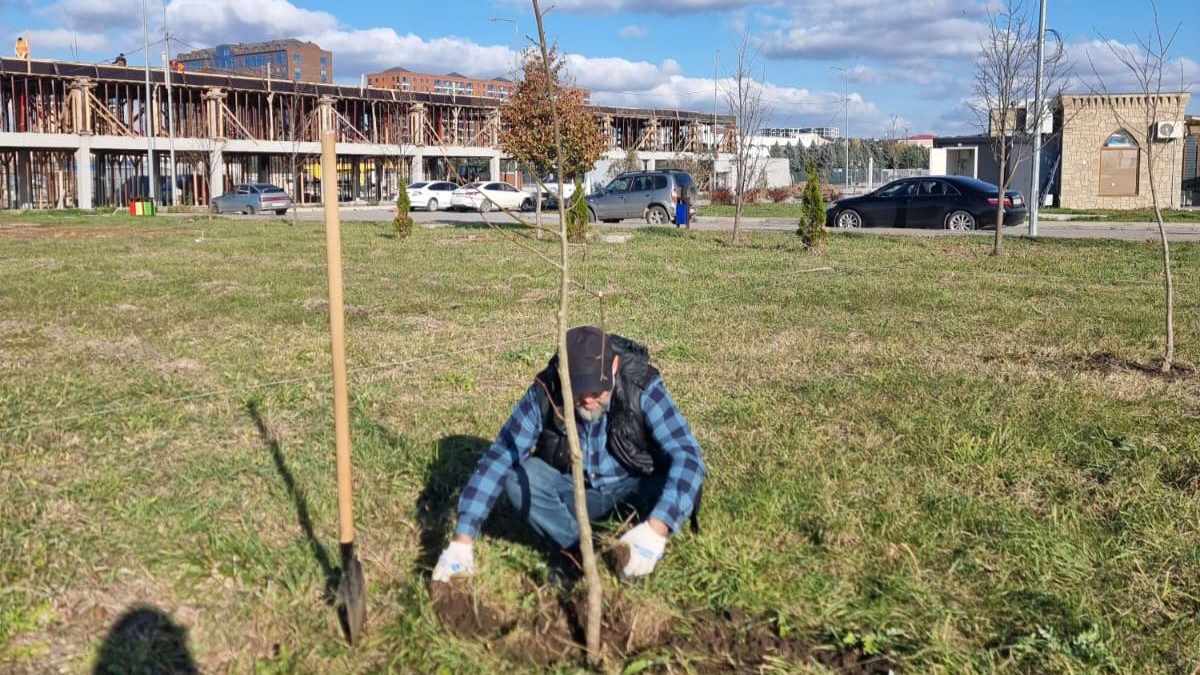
(519, 435)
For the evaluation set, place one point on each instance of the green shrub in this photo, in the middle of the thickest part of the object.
(812, 212)
(577, 216)
(403, 223)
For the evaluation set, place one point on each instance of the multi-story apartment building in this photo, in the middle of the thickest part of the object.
(280, 59)
(453, 84)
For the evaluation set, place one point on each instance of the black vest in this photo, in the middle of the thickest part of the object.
(628, 439)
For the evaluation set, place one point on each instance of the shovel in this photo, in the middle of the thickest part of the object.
(352, 591)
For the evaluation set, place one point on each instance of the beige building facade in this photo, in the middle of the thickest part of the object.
(1106, 142)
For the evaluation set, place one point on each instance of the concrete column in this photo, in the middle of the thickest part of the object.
(81, 104)
(651, 164)
(416, 172)
(325, 114)
(416, 122)
(216, 170)
(83, 173)
(494, 167)
(214, 100)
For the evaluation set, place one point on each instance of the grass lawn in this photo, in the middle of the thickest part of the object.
(924, 452)
(1133, 215)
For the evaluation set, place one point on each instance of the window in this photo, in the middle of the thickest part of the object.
(894, 190)
(1119, 159)
(932, 188)
(297, 74)
(619, 185)
(643, 184)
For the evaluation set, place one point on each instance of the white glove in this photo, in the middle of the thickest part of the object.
(645, 549)
(457, 559)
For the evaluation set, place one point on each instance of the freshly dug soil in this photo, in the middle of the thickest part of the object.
(710, 642)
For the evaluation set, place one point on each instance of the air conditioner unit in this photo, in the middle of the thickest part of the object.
(1166, 130)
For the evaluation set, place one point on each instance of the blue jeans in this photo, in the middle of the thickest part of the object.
(544, 497)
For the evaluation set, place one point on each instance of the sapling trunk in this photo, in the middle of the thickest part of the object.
(591, 574)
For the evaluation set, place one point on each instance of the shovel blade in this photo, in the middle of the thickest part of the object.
(352, 596)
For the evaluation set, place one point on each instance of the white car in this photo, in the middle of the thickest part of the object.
(551, 191)
(430, 195)
(489, 196)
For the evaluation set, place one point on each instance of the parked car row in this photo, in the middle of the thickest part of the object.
(956, 203)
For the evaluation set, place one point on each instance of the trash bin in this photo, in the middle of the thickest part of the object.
(141, 207)
(681, 213)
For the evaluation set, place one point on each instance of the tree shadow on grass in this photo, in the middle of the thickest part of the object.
(449, 469)
(144, 640)
(331, 574)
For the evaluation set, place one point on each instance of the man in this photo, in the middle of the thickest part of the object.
(635, 444)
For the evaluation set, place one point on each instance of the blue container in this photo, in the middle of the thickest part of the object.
(681, 213)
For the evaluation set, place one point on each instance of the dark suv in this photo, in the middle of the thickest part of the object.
(651, 195)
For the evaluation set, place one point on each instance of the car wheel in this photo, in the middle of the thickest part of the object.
(849, 220)
(431, 205)
(248, 210)
(527, 205)
(281, 212)
(960, 221)
(214, 208)
(657, 215)
(485, 207)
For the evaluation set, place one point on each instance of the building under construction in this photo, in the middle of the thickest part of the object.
(79, 135)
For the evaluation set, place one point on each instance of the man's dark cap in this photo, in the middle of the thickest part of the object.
(590, 359)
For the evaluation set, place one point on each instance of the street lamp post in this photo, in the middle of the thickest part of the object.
(846, 127)
(1035, 199)
(148, 110)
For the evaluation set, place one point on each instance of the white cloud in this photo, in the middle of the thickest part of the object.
(633, 32)
(831, 29)
(655, 6)
(61, 39)
(1096, 65)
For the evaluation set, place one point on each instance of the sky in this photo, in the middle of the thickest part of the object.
(908, 63)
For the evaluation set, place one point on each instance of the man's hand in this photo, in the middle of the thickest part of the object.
(457, 559)
(646, 546)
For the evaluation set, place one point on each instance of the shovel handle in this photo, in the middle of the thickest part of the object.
(337, 335)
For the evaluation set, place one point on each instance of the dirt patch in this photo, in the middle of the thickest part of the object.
(1108, 362)
(28, 231)
(220, 288)
(464, 612)
(13, 327)
(552, 632)
(182, 367)
(322, 307)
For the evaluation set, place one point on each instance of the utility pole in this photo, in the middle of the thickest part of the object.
(148, 111)
(1035, 198)
(170, 107)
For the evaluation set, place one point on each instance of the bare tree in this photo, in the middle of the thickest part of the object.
(1145, 62)
(1005, 89)
(744, 96)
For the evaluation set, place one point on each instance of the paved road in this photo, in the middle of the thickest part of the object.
(1049, 229)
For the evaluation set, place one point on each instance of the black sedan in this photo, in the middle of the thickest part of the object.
(950, 202)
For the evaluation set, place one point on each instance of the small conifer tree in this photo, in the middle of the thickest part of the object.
(812, 211)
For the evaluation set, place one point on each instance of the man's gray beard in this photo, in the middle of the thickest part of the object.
(592, 415)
